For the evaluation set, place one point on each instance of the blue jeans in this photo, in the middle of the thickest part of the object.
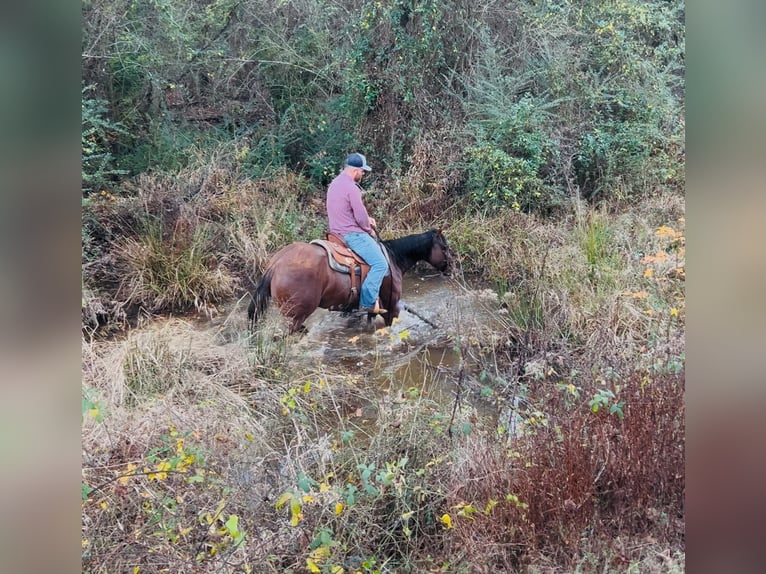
(368, 249)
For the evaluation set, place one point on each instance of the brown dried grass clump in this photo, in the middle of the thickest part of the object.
(178, 272)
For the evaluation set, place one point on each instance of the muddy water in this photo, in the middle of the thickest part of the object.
(350, 339)
(411, 354)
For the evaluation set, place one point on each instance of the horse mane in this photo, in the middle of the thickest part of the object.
(408, 250)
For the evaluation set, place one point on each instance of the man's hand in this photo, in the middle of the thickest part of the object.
(372, 221)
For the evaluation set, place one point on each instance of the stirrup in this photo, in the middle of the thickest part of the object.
(376, 310)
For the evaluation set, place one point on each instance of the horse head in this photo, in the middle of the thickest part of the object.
(441, 257)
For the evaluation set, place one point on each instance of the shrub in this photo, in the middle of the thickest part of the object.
(178, 272)
(567, 468)
(98, 136)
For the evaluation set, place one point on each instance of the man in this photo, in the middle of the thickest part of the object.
(348, 218)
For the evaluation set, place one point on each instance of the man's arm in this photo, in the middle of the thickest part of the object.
(363, 220)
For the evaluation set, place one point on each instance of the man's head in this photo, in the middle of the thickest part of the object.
(356, 165)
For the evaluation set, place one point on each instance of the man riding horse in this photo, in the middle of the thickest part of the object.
(348, 219)
(302, 276)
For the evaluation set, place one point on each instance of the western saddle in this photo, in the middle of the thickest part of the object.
(343, 260)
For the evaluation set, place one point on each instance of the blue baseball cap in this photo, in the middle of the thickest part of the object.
(359, 161)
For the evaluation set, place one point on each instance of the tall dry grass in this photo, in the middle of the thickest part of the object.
(191, 241)
(598, 287)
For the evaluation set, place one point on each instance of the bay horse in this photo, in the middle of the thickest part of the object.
(299, 278)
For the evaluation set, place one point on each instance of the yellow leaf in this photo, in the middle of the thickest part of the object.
(354, 339)
(136, 569)
(446, 519)
(674, 312)
(249, 436)
(467, 511)
(103, 504)
(93, 413)
(308, 498)
(635, 294)
(338, 508)
(337, 569)
(123, 480)
(295, 512)
(490, 505)
(311, 565)
(283, 499)
(649, 273)
(404, 335)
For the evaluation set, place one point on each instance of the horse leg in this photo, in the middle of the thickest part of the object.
(297, 326)
(302, 330)
(298, 313)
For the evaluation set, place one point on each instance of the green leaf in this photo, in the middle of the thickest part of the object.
(305, 482)
(350, 497)
(617, 409)
(325, 536)
(371, 490)
(232, 525)
(86, 490)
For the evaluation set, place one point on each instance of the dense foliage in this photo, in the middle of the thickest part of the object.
(532, 101)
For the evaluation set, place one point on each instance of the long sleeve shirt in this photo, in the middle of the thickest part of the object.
(345, 211)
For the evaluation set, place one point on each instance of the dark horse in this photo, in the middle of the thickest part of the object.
(300, 279)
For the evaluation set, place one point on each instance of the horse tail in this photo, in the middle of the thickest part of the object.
(259, 300)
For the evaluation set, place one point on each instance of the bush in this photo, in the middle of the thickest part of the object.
(99, 134)
(174, 273)
(566, 469)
